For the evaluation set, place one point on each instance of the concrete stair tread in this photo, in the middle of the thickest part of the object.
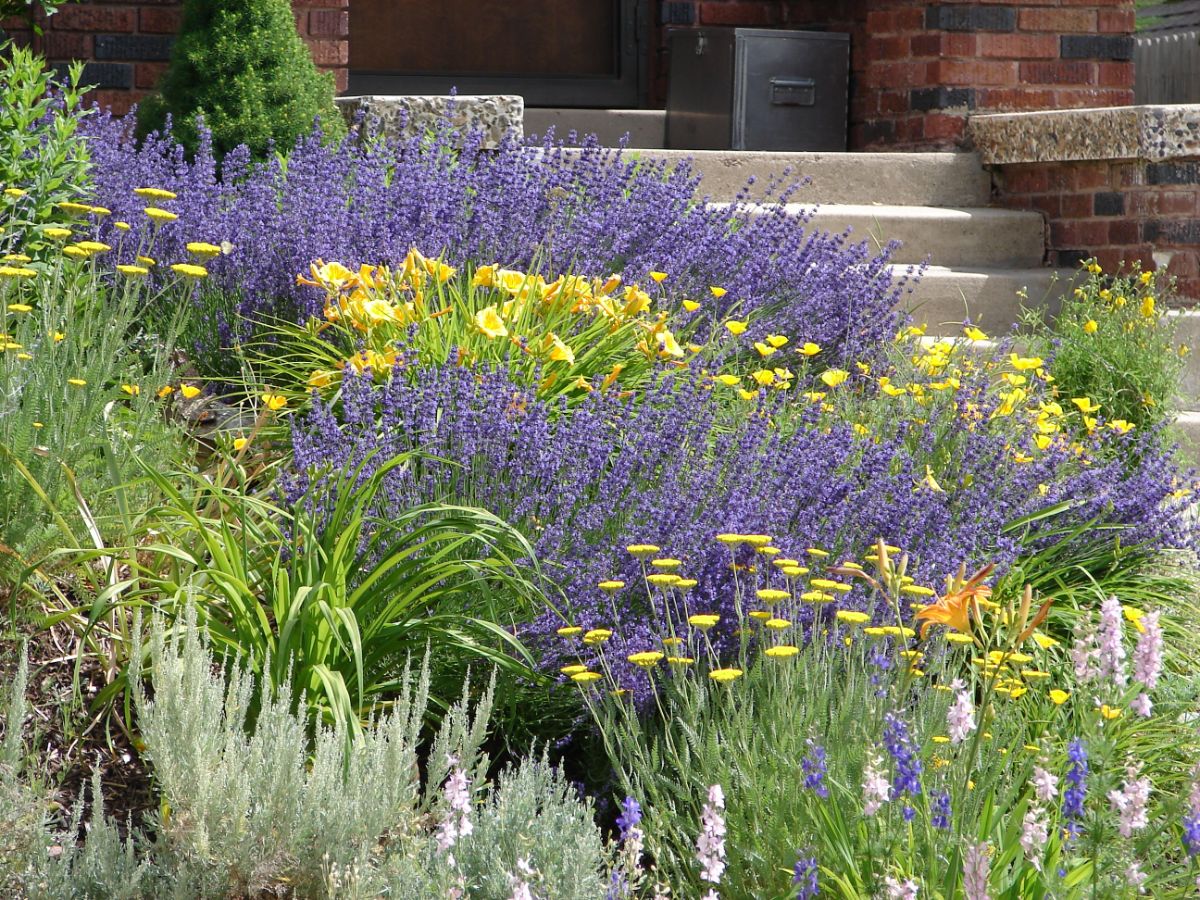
(988, 297)
(962, 237)
(921, 179)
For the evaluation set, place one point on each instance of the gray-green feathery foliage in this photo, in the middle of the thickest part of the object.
(250, 808)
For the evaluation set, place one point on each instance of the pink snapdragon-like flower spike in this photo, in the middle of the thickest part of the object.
(975, 872)
(1148, 655)
(1111, 644)
(1034, 834)
(896, 889)
(710, 846)
(876, 787)
(1045, 784)
(1131, 801)
(960, 717)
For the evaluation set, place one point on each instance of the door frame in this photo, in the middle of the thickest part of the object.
(627, 90)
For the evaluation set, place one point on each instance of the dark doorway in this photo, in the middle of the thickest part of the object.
(552, 52)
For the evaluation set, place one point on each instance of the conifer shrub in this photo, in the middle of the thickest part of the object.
(241, 68)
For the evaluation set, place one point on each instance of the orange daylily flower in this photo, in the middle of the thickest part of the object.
(954, 608)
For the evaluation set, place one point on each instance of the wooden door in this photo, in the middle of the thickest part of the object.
(547, 50)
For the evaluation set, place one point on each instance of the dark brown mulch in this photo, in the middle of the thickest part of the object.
(66, 740)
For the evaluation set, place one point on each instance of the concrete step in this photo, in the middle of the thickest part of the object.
(646, 128)
(992, 299)
(1187, 424)
(1187, 332)
(962, 238)
(903, 179)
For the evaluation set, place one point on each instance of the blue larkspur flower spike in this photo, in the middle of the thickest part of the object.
(1076, 791)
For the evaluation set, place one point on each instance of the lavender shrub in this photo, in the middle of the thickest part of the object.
(674, 468)
(545, 208)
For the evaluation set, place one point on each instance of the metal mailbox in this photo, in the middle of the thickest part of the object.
(757, 89)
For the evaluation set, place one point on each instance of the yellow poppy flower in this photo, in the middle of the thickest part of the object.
(1090, 326)
(189, 391)
(1058, 697)
(658, 277)
(274, 402)
(718, 292)
(834, 377)
(736, 327)
(809, 349)
(691, 305)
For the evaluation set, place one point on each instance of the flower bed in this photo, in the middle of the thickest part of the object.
(686, 483)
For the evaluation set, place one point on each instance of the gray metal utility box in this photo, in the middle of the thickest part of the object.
(757, 89)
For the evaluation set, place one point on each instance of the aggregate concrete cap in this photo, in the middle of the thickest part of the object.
(406, 116)
(1152, 133)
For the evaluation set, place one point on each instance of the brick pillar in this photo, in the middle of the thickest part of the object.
(126, 45)
(926, 66)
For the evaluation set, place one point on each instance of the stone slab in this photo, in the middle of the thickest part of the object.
(644, 128)
(1151, 133)
(407, 116)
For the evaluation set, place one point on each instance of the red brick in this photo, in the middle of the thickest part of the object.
(1184, 264)
(864, 104)
(147, 74)
(323, 4)
(329, 23)
(1092, 176)
(95, 19)
(330, 52)
(58, 45)
(1082, 97)
(1080, 233)
(974, 73)
(1057, 21)
(1174, 203)
(1024, 179)
(1115, 74)
(894, 101)
(1058, 72)
(896, 75)
(1018, 46)
(1050, 204)
(1115, 21)
(1112, 258)
(1060, 177)
(153, 20)
(1075, 206)
(959, 45)
(1123, 232)
(1018, 98)
(117, 101)
(925, 44)
(885, 49)
(895, 21)
(341, 79)
(760, 12)
(939, 126)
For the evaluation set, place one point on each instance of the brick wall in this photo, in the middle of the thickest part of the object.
(127, 45)
(1116, 210)
(917, 69)
(927, 66)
